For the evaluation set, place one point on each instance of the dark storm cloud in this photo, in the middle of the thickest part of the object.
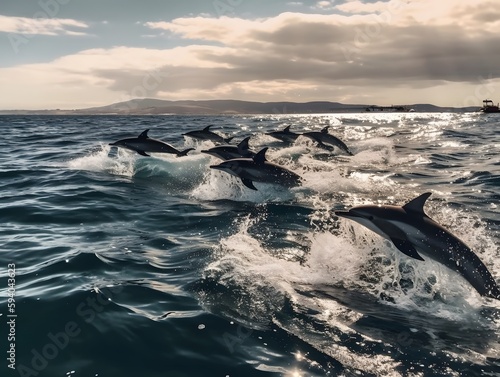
(311, 50)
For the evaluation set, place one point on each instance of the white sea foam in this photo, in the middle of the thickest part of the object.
(359, 273)
(176, 172)
(99, 160)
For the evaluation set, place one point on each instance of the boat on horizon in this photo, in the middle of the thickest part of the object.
(393, 108)
(489, 107)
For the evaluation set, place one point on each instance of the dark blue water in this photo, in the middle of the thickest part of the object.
(134, 266)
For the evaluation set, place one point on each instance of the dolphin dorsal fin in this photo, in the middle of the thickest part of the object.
(243, 145)
(324, 130)
(260, 157)
(287, 128)
(417, 204)
(207, 128)
(144, 135)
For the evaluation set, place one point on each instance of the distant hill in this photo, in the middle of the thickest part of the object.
(150, 106)
(214, 107)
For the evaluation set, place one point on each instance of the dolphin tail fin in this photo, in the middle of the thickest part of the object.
(184, 152)
(346, 149)
(248, 183)
(494, 292)
(144, 134)
(228, 139)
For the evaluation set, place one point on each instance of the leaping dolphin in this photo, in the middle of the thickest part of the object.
(229, 152)
(258, 169)
(415, 233)
(206, 134)
(324, 140)
(286, 135)
(144, 143)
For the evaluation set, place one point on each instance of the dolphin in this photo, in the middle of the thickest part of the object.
(416, 234)
(206, 134)
(286, 135)
(258, 169)
(144, 143)
(325, 140)
(229, 152)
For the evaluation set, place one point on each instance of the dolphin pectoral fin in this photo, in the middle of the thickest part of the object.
(142, 153)
(324, 146)
(184, 152)
(406, 248)
(398, 238)
(248, 183)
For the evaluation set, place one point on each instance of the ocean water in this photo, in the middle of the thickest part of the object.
(134, 266)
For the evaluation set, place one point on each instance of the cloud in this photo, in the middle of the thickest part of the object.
(335, 48)
(323, 5)
(40, 26)
(382, 52)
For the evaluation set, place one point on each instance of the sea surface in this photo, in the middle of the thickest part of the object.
(160, 266)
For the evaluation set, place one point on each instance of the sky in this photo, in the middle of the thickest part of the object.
(71, 54)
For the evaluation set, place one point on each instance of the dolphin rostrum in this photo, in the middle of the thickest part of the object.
(414, 233)
(325, 140)
(286, 135)
(144, 143)
(206, 134)
(258, 169)
(229, 152)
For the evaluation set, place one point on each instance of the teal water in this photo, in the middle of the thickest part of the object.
(134, 266)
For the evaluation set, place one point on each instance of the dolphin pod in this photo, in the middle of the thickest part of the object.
(250, 166)
(414, 233)
(408, 227)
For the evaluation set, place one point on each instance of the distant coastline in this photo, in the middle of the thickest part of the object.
(149, 106)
